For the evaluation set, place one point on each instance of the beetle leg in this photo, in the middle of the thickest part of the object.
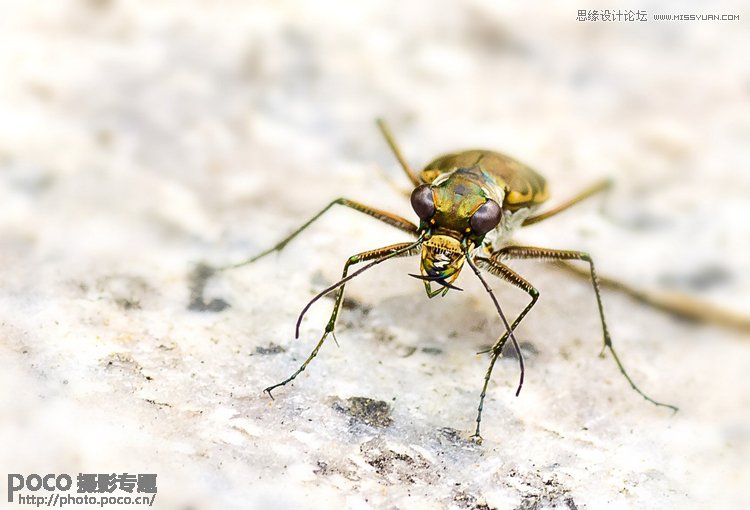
(528, 252)
(392, 251)
(501, 270)
(593, 190)
(384, 216)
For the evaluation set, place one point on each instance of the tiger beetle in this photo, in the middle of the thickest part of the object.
(468, 203)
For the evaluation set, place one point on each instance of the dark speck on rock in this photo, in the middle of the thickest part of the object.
(448, 436)
(271, 348)
(126, 291)
(198, 280)
(375, 413)
(469, 501)
(397, 465)
(701, 279)
(432, 350)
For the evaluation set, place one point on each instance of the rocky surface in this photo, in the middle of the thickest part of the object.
(139, 140)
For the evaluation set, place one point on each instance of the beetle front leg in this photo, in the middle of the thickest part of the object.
(501, 270)
(385, 252)
(384, 216)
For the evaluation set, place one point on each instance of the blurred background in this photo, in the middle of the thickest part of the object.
(139, 139)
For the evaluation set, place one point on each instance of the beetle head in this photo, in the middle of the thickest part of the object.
(455, 215)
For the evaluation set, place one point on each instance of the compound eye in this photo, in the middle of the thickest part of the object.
(422, 201)
(486, 217)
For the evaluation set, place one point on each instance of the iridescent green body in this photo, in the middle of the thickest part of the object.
(517, 185)
(461, 183)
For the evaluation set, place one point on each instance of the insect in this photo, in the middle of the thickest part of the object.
(468, 203)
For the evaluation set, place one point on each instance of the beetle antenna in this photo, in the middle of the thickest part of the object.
(349, 277)
(516, 347)
(391, 141)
